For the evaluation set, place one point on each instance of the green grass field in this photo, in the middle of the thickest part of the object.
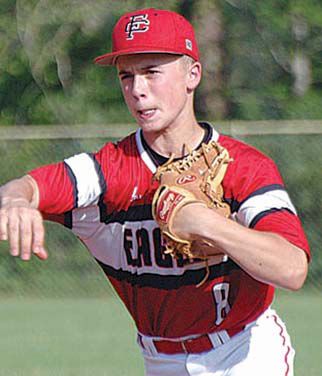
(81, 337)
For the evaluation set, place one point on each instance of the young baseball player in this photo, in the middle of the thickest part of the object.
(224, 326)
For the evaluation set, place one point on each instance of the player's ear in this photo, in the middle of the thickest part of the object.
(194, 75)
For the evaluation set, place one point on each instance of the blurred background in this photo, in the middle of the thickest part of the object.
(262, 84)
(262, 60)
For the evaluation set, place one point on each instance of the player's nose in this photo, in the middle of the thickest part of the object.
(139, 86)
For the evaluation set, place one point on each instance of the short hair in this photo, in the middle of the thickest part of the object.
(187, 60)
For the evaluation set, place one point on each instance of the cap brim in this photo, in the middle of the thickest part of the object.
(110, 58)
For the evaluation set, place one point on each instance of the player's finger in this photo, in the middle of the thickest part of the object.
(3, 225)
(13, 233)
(41, 253)
(25, 234)
(38, 234)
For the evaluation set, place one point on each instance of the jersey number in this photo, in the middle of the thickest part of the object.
(221, 293)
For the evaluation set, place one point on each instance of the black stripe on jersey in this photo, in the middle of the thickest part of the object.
(103, 186)
(159, 160)
(235, 205)
(68, 219)
(169, 282)
(133, 214)
(98, 169)
(74, 183)
(263, 214)
(208, 132)
(102, 210)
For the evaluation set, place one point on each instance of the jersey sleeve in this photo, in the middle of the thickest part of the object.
(260, 201)
(87, 179)
(73, 183)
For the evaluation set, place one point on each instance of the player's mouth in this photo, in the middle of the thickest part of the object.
(146, 114)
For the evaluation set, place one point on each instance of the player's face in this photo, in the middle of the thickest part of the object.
(158, 89)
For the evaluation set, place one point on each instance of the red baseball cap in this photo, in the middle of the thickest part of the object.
(151, 31)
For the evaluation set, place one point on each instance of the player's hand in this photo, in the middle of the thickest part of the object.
(187, 224)
(23, 227)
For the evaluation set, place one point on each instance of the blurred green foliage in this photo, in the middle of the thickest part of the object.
(267, 55)
(270, 46)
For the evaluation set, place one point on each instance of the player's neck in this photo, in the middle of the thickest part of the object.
(177, 140)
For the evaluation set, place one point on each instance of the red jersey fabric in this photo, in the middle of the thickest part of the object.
(105, 199)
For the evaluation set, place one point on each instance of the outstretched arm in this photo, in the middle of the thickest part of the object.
(267, 257)
(21, 222)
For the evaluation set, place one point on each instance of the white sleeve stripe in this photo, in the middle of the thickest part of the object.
(88, 185)
(269, 201)
(144, 155)
(74, 183)
(261, 191)
(264, 214)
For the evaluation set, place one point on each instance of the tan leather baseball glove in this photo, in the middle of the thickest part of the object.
(196, 178)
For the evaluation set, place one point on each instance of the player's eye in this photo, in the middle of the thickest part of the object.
(153, 72)
(125, 76)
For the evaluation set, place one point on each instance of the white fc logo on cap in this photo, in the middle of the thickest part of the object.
(137, 24)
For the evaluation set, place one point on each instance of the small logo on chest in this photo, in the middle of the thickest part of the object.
(135, 196)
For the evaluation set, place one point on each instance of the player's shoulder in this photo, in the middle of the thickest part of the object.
(250, 168)
(243, 152)
(125, 147)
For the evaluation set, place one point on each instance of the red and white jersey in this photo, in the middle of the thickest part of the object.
(105, 199)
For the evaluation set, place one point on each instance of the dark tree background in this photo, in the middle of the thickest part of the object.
(262, 59)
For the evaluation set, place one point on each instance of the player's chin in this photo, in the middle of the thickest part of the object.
(151, 126)
(147, 125)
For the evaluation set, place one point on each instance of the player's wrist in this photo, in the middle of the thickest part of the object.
(209, 224)
(8, 202)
